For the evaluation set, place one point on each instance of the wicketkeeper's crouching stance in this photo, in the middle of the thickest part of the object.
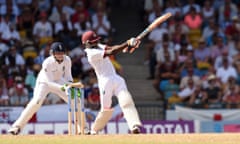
(53, 77)
(110, 83)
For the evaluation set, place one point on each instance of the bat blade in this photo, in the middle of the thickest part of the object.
(154, 24)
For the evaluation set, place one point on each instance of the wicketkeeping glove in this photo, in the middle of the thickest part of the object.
(64, 87)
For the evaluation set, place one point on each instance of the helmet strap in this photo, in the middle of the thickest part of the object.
(90, 45)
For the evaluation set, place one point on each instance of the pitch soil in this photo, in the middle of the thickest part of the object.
(208, 138)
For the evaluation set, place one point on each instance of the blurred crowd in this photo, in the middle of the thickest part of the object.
(194, 57)
(27, 29)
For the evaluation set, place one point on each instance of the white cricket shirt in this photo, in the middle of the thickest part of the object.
(102, 65)
(53, 71)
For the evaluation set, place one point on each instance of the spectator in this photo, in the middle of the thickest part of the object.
(208, 11)
(157, 11)
(172, 7)
(219, 60)
(25, 23)
(56, 12)
(44, 53)
(233, 29)
(64, 26)
(11, 69)
(82, 24)
(10, 9)
(226, 12)
(236, 60)
(179, 33)
(31, 73)
(209, 29)
(232, 94)
(178, 27)
(188, 64)
(218, 48)
(181, 52)
(52, 98)
(80, 9)
(166, 47)
(170, 89)
(19, 93)
(42, 30)
(35, 9)
(4, 98)
(15, 56)
(188, 89)
(190, 75)
(11, 36)
(191, 4)
(232, 44)
(214, 91)
(194, 22)
(153, 39)
(204, 78)
(4, 23)
(80, 65)
(64, 32)
(149, 4)
(213, 38)
(226, 71)
(93, 98)
(44, 5)
(23, 3)
(102, 25)
(198, 98)
(164, 72)
(183, 96)
(89, 80)
(202, 55)
(116, 64)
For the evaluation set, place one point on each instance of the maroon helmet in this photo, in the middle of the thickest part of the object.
(90, 37)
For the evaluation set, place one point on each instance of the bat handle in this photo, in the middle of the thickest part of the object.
(143, 34)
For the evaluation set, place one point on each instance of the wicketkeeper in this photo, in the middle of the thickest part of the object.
(53, 77)
(109, 82)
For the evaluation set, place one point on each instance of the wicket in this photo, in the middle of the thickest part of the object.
(75, 99)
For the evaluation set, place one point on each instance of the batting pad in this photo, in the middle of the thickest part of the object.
(101, 120)
(128, 108)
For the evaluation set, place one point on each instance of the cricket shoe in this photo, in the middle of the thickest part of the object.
(136, 129)
(86, 131)
(14, 130)
(92, 132)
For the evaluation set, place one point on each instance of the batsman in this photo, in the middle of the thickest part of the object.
(110, 83)
(55, 77)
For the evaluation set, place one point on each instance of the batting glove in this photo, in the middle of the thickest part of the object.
(133, 43)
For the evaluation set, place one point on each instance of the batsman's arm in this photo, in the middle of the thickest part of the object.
(131, 43)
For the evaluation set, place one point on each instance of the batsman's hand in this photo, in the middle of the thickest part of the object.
(132, 43)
